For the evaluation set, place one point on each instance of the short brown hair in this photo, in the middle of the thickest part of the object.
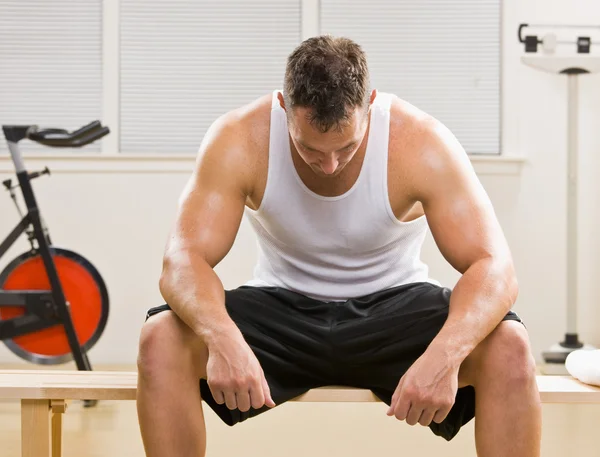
(330, 76)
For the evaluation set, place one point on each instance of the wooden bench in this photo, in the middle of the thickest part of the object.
(44, 396)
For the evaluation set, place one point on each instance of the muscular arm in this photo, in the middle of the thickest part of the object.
(209, 214)
(208, 219)
(465, 228)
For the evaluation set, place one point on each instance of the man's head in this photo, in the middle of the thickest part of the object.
(327, 97)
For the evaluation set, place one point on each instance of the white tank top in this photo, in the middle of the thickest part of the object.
(334, 248)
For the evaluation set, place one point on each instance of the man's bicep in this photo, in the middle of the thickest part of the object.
(459, 212)
(208, 220)
(212, 204)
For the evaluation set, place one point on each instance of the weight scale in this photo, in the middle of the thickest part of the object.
(582, 62)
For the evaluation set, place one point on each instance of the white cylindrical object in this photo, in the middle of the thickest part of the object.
(572, 295)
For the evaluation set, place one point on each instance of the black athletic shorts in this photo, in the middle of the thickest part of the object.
(367, 342)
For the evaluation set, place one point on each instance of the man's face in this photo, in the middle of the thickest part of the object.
(327, 153)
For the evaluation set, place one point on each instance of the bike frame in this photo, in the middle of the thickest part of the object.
(47, 308)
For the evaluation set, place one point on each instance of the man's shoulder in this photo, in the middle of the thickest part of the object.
(250, 121)
(411, 129)
(408, 121)
(237, 144)
(243, 130)
(414, 131)
(420, 145)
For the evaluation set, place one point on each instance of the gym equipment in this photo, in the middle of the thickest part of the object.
(53, 301)
(582, 62)
(550, 42)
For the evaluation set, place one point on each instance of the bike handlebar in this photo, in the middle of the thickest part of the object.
(56, 137)
(61, 138)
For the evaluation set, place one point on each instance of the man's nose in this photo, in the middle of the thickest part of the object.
(329, 165)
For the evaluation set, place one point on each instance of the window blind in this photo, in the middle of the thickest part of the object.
(442, 56)
(186, 62)
(50, 65)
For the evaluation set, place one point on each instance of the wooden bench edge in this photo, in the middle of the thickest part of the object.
(123, 386)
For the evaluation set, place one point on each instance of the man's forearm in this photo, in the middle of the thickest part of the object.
(195, 293)
(479, 302)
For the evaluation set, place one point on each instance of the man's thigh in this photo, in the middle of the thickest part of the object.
(287, 332)
(380, 336)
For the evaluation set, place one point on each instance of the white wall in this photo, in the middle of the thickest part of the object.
(117, 212)
(120, 219)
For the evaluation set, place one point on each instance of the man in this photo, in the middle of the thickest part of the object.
(340, 183)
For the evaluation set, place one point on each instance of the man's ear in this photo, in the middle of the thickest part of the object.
(281, 101)
(373, 96)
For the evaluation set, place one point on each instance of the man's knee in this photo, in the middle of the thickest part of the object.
(507, 355)
(167, 343)
(504, 357)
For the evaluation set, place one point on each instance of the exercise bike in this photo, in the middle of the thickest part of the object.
(53, 302)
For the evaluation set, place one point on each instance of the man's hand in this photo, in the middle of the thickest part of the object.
(235, 376)
(426, 392)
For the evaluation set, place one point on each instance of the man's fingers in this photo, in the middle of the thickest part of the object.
(267, 392)
(243, 400)
(427, 416)
(402, 408)
(391, 409)
(257, 396)
(440, 415)
(414, 414)
(230, 399)
(217, 395)
(395, 397)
